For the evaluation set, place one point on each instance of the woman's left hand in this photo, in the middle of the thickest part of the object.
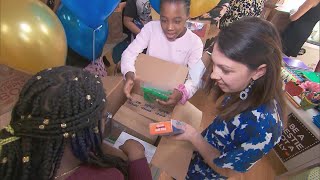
(173, 99)
(190, 134)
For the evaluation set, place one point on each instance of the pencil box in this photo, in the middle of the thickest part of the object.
(166, 128)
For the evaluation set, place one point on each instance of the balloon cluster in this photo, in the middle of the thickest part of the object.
(86, 26)
(197, 7)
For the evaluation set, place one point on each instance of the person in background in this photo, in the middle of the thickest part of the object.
(136, 14)
(300, 27)
(56, 132)
(245, 76)
(170, 40)
(241, 8)
(216, 13)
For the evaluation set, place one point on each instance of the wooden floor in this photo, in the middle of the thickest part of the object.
(266, 169)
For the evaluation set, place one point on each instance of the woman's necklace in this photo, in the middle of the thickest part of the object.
(61, 175)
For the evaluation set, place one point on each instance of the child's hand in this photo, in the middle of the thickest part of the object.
(173, 99)
(129, 84)
(133, 149)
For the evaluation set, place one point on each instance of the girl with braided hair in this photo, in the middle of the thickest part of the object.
(56, 132)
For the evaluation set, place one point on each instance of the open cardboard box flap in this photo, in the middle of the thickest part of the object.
(172, 156)
(135, 124)
(160, 73)
(113, 86)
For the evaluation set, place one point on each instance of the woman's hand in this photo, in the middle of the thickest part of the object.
(133, 149)
(173, 99)
(190, 134)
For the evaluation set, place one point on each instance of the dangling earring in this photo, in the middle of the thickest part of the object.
(244, 93)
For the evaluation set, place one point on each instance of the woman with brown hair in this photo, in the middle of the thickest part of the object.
(245, 73)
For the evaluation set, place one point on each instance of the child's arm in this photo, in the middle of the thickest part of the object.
(128, 22)
(196, 69)
(130, 12)
(140, 43)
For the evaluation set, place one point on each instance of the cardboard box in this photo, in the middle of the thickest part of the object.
(153, 111)
(171, 156)
(159, 73)
(174, 157)
(134, 124)
(113, 86)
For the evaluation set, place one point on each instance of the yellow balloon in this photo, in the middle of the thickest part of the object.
(199, 7)
(32, 37)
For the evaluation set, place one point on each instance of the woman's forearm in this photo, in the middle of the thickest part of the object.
(305, 7)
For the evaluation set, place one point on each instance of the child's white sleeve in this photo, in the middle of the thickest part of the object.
(129, 56)
(194, 81)
(196, 68)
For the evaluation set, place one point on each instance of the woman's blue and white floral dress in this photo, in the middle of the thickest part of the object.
(242, 141)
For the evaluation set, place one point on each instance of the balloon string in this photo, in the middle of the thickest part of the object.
(93, 42)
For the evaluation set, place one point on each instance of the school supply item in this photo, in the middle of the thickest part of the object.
(166, 128)
(151, 94)
(287, 74)
(295, 63)
(150, 150)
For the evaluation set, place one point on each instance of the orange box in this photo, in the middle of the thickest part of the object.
(165, 128)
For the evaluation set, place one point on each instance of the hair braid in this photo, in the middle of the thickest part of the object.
(57, 159)
(53, 106)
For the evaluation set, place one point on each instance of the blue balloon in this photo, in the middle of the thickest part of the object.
(80, 36)
(155, 4)
(94, 12)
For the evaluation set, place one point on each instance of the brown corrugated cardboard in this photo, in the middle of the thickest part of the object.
(172, 156)
(160, 73)
(113, 86)
(153, 111)
(134, 124)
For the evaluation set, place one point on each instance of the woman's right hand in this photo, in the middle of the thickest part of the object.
(129, 84)
(133, 149)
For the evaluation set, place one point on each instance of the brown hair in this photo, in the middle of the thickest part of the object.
(252, 42)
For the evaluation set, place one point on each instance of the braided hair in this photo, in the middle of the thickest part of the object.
(185, 2)
(55, 107)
